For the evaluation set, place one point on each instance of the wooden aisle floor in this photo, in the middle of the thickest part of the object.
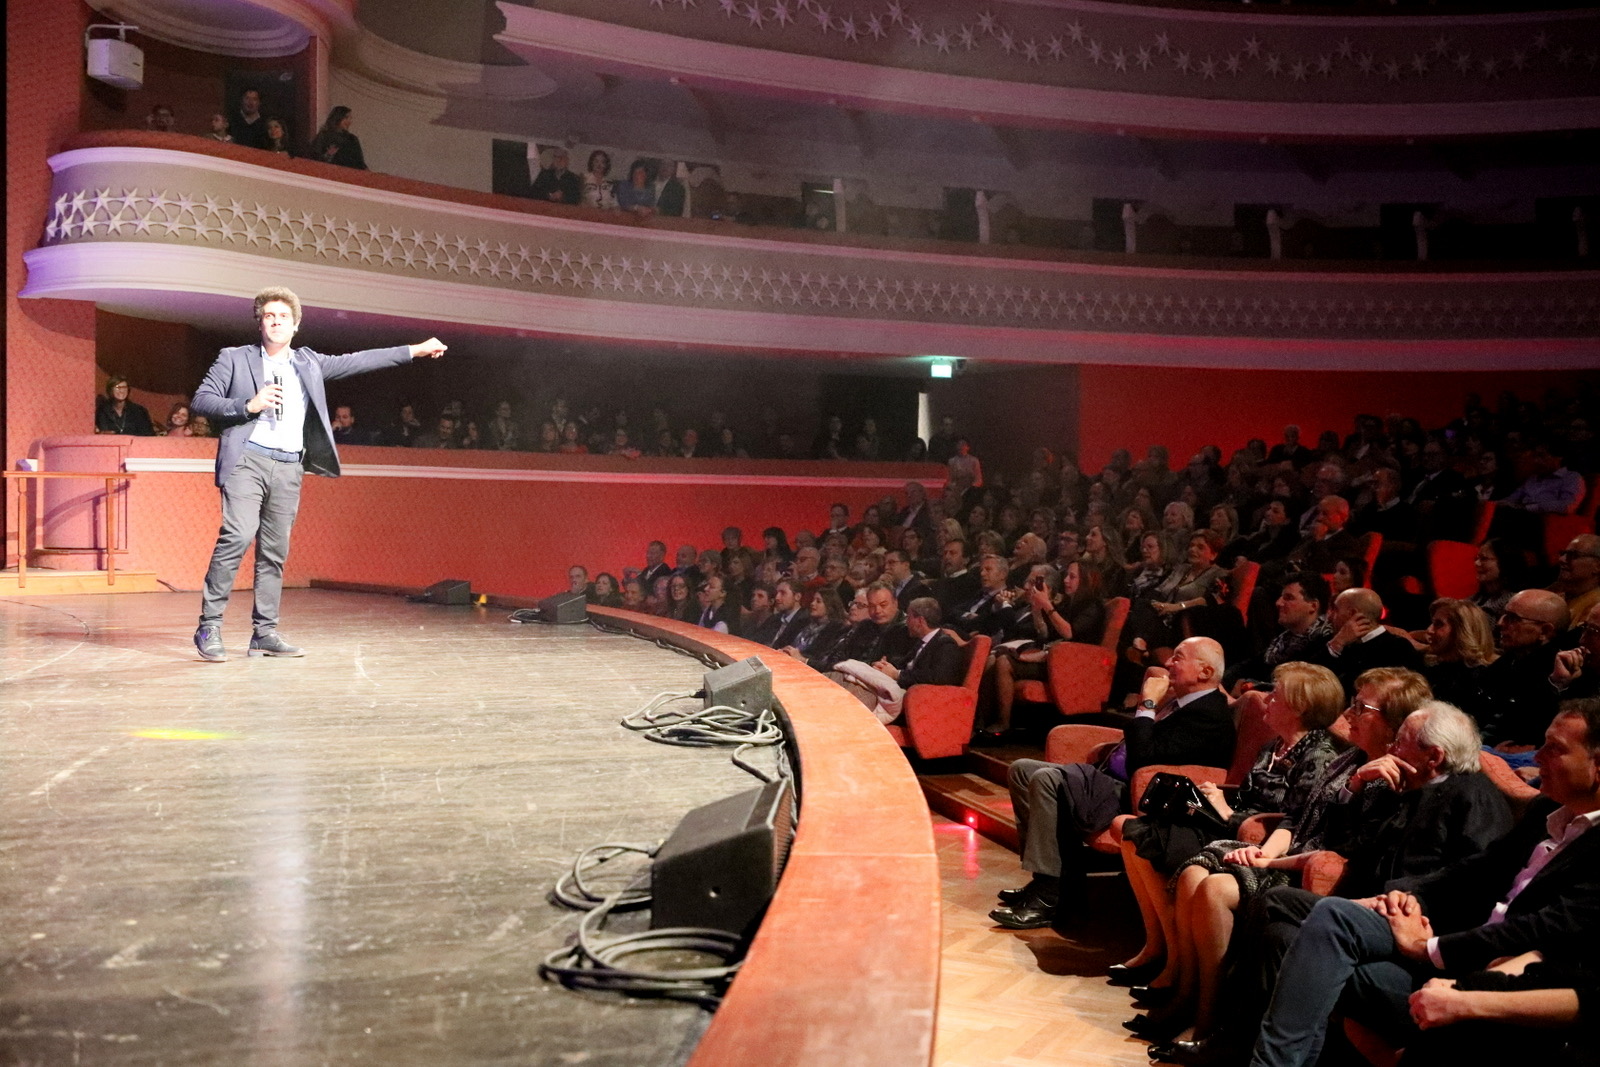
(1034, 998)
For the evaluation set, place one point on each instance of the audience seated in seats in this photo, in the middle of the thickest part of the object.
(966, 470)
(1552, 489)
(200, 426)
(405, 429)
(633, 596)
(902, 578)
(1535, 889)
(178, 422)
(932, 657)
(638, 193)
(1301, 606)
(775, 548)
(1360, 642)
(960, 584)
(1348, 573)
(1153, 624)
(606, 591)
(1191, 875)
(1518, 699)
(716, 612)
(856, 641)
(1027, 552)
(443, 435)
(219, 129)
(759, 623)
(687, 562)
(1578, 576)
(1577, 670)
(914, 516)
(681, 603)
(826, 625)
(1502, 571)
(502, 433)
(578, 583)
(161, 119)
(978, 615)
(334, 143)
(556, 183)
(247, 126)
(597, 185)
(1457, 647)
(115, 413)
(345, 430)
(1058, 606)
(277, 137)
(738, 580)
(1182, 718)
(1445, 504)
(789, 615)
(1103, 553)
(1290, 450)
(655, 563)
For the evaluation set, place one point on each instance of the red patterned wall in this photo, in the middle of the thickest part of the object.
(49, 347)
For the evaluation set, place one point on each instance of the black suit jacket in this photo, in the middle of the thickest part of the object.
(915, 588)
(1557, 914)
(785, 635)
(1385, 650)
(648, 576)
(1386, 836)
(940, 662)
(956, 592)
(1200, 732)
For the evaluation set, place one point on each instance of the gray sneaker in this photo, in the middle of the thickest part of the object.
(208, 639)
(273, 645)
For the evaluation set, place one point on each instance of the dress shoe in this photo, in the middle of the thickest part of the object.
(1158, 1029)
(1208, 1052)
(270, 644)
(208, 639)
(1013, 897)
(1120, 974)
(1162, 1053)
(1158, 996)
(1029, 915)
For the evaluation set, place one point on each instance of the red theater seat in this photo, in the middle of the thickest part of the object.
(1450, 569)
(938, 718)
(1079, 681)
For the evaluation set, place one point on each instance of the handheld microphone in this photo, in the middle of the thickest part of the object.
(277, 407)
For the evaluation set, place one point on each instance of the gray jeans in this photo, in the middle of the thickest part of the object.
(259, 502)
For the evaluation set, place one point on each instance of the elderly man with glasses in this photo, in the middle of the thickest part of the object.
(1518, 697)
(1578, 578)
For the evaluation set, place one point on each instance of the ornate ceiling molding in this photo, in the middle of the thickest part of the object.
(136, 226)
(1075, 63)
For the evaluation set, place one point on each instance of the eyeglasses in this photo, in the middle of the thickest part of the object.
(1511, 618)
(1572, 553)
(1359, 708)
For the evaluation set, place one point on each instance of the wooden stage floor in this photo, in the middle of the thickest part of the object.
(344, 858)
(336, 859)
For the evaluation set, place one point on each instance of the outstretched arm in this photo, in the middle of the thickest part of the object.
(432, 348)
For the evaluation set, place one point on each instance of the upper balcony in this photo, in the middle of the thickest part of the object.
(1215, 71)
(168, 226)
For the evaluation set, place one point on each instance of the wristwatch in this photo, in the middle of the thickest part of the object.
(1147, 705)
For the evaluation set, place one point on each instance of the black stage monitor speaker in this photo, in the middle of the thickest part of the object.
(746, 685)
(450, 591)
(721, 865)
(564, 608)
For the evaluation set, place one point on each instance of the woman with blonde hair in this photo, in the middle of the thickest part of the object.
(1457, 645)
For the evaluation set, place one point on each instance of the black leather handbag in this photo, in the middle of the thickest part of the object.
(1175, 799)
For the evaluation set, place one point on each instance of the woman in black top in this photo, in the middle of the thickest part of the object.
(115, 413)
(335, 143)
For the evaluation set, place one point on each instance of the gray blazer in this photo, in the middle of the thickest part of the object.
(235, 377)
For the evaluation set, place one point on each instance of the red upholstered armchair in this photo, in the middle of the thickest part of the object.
(937, 719)
(1079, 681)
(1450, 569)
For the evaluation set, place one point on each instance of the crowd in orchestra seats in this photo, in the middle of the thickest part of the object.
(1401, 729)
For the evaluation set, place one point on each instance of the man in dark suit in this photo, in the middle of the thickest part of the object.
(1291, 450)
(1329, 541)
(1537, 889)
(556, 183)
(247, 126)
(1359, 641)
(655, 565)
(1183, 718)
(959, 585)
(977, 616)
(1445, 505)
(935, 658)
(914, 516)
(788, 607)
(907, 586)
(269, 404)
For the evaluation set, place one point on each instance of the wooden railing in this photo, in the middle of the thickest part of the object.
(25, 524)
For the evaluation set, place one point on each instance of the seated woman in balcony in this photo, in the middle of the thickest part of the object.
(115, 413)
(597, 186)
(277, 137)
(638, 193)
(335, 143)
(178, 421)
(680, 600)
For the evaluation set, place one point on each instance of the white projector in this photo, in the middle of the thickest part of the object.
(116, 63)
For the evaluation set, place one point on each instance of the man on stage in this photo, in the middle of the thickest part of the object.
(269, 405)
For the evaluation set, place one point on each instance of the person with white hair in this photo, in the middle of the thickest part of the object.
(1183, 717)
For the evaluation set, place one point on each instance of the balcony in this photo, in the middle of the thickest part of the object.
(167, 226)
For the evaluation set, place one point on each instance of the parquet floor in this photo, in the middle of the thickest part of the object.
(1034, 998)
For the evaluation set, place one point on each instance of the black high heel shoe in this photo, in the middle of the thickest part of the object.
(1120, 974)
(1146, 996)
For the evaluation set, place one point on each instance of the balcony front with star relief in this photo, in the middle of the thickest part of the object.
(1222, 71)
(169, 227)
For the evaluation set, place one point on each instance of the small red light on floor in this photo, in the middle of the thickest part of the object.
(972, 820)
